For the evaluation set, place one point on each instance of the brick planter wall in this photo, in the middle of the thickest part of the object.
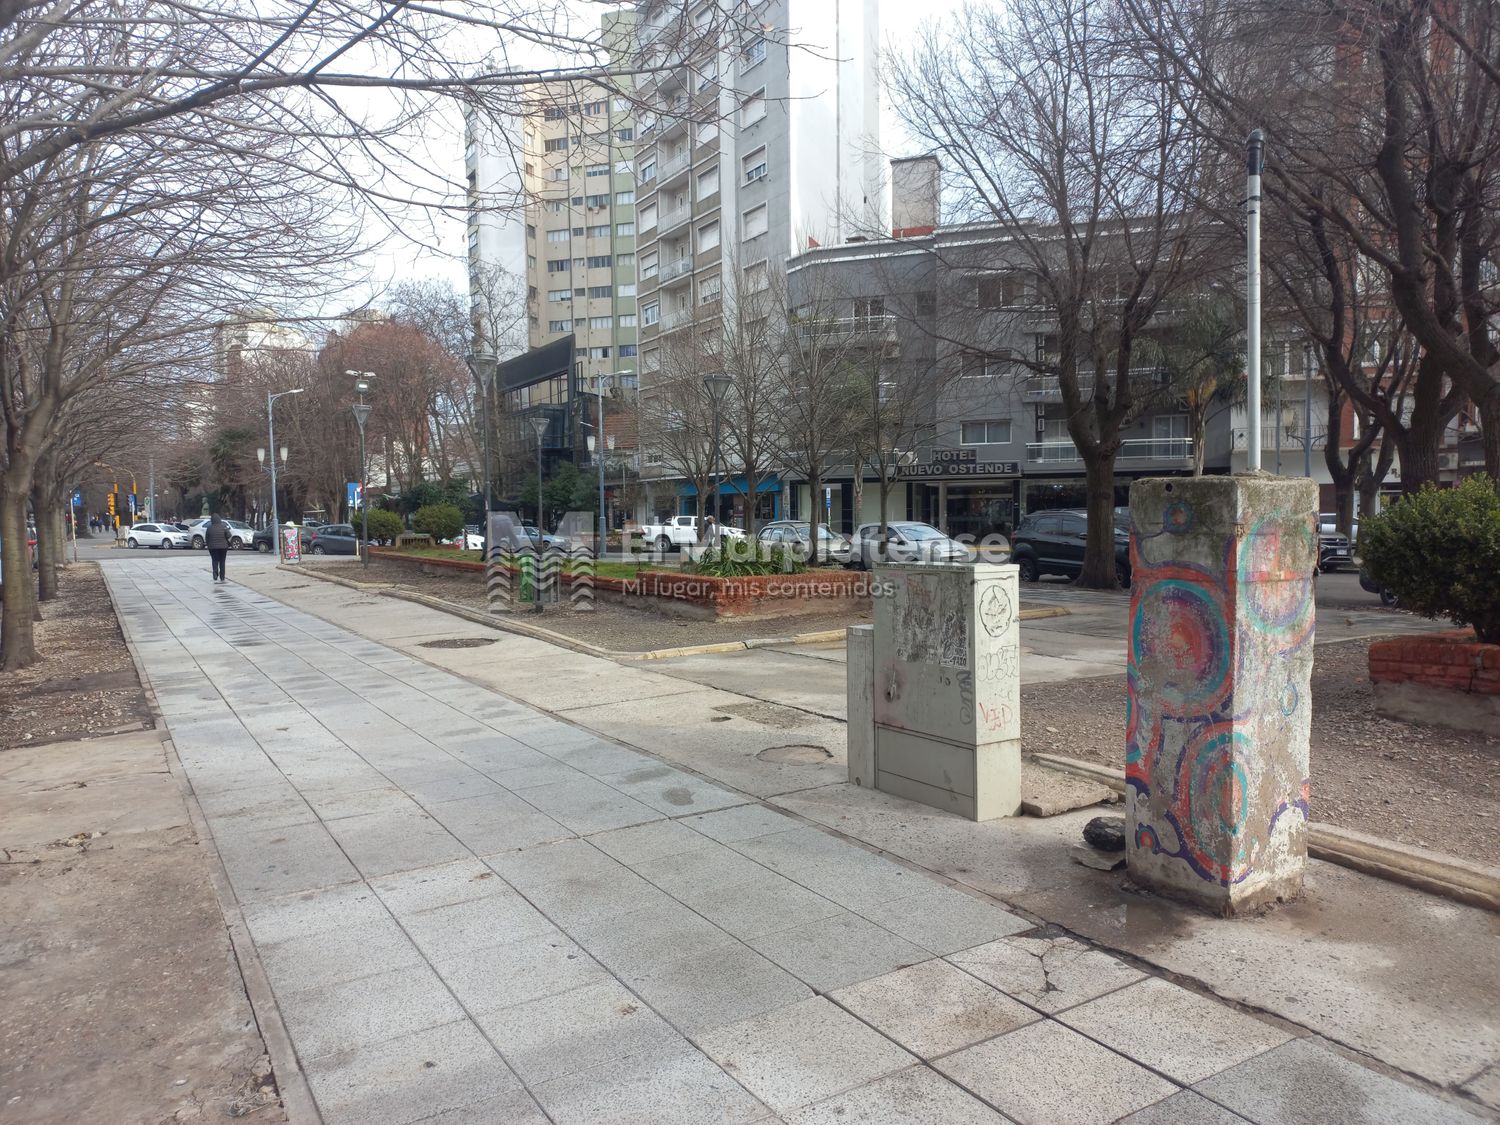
(1445, 678)
(697, 596)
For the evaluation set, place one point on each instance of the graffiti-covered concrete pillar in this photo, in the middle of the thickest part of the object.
(948, 687)
(1218, 712)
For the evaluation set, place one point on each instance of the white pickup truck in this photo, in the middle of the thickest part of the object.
(679, 532)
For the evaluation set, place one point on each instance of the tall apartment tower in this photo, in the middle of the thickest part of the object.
(552, 202)
(758, 137)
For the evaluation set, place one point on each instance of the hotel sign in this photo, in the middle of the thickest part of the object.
(959, 463)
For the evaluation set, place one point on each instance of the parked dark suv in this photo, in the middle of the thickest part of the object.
(1053, 543)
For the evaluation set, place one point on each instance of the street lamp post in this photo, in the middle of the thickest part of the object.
(362, 415)
(271, 444)
(1255, 160)
(539, 423)
(260, 458)
(483, 368)
(717, 386)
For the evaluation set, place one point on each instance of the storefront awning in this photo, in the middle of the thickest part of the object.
(735, 486)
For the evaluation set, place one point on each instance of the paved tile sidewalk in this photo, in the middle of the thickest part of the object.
(471, 911)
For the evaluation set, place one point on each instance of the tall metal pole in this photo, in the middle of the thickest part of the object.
(1280, 418)
(271, 448)
(151, 488)
(484, 399)
(364, 502)
(1255, 164)
(599, 456)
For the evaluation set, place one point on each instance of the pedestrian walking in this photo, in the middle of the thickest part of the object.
(216, 539)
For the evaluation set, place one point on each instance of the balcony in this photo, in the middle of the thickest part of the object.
(1132, 452)
(677, 318)
(882, 328)
(671, 220)
(672, 272)
(670, 169)
(1048, 388)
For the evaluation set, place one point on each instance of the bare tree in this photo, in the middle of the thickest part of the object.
(677, 414)
(747, 343)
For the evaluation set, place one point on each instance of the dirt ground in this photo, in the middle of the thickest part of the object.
(614, 627)
(123, 1001)
(1428, 786)
(85, 684)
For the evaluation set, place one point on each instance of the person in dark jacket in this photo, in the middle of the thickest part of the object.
(216, 539)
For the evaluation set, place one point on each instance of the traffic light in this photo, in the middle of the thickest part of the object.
(110, 503)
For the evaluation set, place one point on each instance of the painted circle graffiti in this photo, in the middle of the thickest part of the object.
(1274, 571)
(1180, 632)
(1212, 801)
(1177, 518)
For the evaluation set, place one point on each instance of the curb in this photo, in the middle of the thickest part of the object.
(291, 1082)
(1452, 877)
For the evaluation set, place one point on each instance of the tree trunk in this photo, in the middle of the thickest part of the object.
(1198, 420)
(1099, 552)
(814, 505)
(46, 546)
(1423, 436)
(857, 496)
(1489, 424)
(17, 639)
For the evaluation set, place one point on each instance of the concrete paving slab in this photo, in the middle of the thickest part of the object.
(489, 824)
(1050, 974)
(1047, 1072)
(338, 955)
(575, 903)
(577, 1030)
(672, 791)
(687, 873)
(1183, 1108)
(335, 805)
(802, 1053)
(643, 843)
(650, 937)
(851, 877)
(1306, 1080)
(699, 990)
(836, 951)
(498, 976)
(382, 843)
(760, 906)
(933, 1008)
(416, 1076)
(1486, 1087)
(453, 929)
(744, 822)
(944, 920)
(361, 1013)
(1171, 1030)
(536, 867)
(352, 905)
(670, 1086)
(585, 806)
(426, 888)
(528, 777)
(914, 1096)
(276, 861)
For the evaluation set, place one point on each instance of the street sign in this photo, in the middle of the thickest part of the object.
(78, 498)
(352, 494)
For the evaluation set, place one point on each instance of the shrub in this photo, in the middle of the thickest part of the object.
(737, 559)
(383, 524)
(441, 521)
(1439, 553)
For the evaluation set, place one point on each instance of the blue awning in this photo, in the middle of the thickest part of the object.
(735, 485)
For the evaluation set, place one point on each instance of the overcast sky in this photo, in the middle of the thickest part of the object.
(426, 242)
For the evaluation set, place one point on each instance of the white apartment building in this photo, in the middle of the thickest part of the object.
(551, 200)
(758, 137)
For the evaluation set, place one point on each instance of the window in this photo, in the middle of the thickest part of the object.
(624, 134)
(708, 290)
(558, 265)
(1001, 291)
(559, 294)
(627, 290)
(554, 112)
(530, 230)
(754, 165)
(599, 353)
(708, 182)
(531, 261)
(593, 109)
(559, 326)
(557, 175)
(597, 323)
(926, 304)
(473, 240)
(558, 144)
(625, 261)
(757, 277)
(601, 290)
(648, 262)
(755, 222)
(629, 351)
(624, 197)
(866, 308)
(1169, 426)
(622, 167)
(625, 230)
(651, 360)
(627, 320)
(978, 365)
(600, 261)
(991, 431)
(578, 263)
(580, 292)
(708, 236)
(753, 108)
(597, 200)
(558, 235)
(556, 206)
(577, 232)
(596, 170)
(646, 216)
(599, 231)
(650, 314)
(754, 52)
(648, 171)
(578, 201)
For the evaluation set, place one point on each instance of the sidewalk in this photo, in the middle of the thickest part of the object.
(465, 904)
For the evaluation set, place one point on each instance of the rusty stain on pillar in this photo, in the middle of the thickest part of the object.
(1218, 710)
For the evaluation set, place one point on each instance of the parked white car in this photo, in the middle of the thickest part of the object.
(906, 541)
(679, 532)
(163, 535)
(240, 534)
